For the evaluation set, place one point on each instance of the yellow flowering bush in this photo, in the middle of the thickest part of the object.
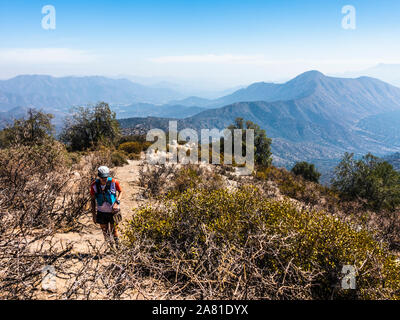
(238, 244)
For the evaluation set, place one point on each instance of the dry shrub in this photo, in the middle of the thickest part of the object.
(195, 176)
(298, 188)
(40, 194)
(131, 147)
(239, 245)
(31, 181)
(119, 158)
(100, 157)
(40, 189)
(152, 178)
(23, 255)
(134, 156)
(158, 180)
(385, 224)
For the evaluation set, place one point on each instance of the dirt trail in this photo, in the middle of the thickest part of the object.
(83, 241)
(128, 176)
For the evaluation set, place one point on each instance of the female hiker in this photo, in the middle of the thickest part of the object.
(106, 194)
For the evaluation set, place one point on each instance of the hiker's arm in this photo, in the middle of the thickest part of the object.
(119, 197)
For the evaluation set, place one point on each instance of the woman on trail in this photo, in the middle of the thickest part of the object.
(103, 192)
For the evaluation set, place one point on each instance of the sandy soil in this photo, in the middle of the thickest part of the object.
(128, 178)
(82, 242)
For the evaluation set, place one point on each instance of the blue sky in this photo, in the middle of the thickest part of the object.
(225, 42)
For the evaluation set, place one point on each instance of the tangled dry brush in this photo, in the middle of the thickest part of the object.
(41, 193)
(203, 233)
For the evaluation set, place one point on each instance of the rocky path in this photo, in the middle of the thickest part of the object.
(90, 236)
(128, 176)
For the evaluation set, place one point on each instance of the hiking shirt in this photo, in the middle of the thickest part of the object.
(105, 207)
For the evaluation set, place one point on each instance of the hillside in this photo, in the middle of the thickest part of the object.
(354, 96)
(138, 110)
(87, 268)
(180, 223)
(316, 118)
(142, 125)
(58, 95)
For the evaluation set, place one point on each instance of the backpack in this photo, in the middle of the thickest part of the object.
(106, 195)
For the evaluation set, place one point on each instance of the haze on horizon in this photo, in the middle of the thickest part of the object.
(212, 44)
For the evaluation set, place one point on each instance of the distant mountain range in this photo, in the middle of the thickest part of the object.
(312, 117)
(51, 92)
(58, 95)
(187, 87)
(146, 110)
(387, 72)
(369, 92)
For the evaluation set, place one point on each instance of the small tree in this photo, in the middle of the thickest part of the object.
(368, 178)
(90, 127)
(34, 129)
(307, 171)
(262, 144)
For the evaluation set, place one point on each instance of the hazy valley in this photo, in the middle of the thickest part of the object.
(311, 118)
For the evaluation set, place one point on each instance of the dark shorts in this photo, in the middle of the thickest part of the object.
(105, 217)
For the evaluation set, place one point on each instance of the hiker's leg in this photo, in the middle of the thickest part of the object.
(106, 231)
(115, 234)
(114, 230)
(110, 234)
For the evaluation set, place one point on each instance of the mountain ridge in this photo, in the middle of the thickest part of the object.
(62, 92)
(320, 120)
(302, 86)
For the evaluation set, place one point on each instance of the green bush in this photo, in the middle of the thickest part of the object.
(134, 156)
(298, 188)
(221, 244)
(368, 178)
(131, 147)
(262, 144)
(307, 171)
(192, 176)
(287, 183)
(74, 157)
(118, 158)
(134, 148)
(35, 129)
(132, 138)
(91, 127)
